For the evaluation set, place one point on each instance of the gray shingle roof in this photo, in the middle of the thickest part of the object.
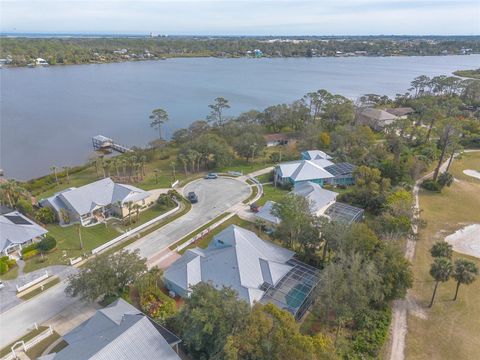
(237, 258)
(12, 233)
(103, 192)
(378, 114)
(118, 332)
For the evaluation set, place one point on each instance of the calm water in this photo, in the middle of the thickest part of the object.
(48, 115)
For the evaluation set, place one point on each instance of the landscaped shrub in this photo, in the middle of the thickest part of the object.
(445, 179)
(431, 185)
(3, 267)
(30, 254)
(46, 215)
(157, 305)
(24, 207)
(165, 201)
(47, 243)
(29, 248)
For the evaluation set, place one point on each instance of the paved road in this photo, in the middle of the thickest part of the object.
(214, 197)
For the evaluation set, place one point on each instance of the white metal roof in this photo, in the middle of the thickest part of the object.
(100, 193)
(318, 197)
(317, 155)
(237, 258)
(265, 213)
(378, 114)
(12, 233)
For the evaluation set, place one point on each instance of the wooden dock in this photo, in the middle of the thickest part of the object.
(101, 142)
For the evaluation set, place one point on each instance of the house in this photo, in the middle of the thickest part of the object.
(265, 214)
(41, 62)
(97, 201)
(377, 119)
(315, 155)
(279, 139)
(257, 270)
(302, 170)
(16, 231)
(342, 174)
(401, 112)
(319, 198)
(119, 332)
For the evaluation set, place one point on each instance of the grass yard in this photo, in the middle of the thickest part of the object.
(452, 329)
(29, 336)
(272, 193)
(37, 350)
(10, 274)
(39, 290)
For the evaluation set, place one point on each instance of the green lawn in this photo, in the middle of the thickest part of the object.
(37, 350)
(39, 290)
(29, 336)
(10, 274)
(452, 329)
(272, 193)
(264, 178)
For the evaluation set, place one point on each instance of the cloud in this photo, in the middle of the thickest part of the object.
(250, 17)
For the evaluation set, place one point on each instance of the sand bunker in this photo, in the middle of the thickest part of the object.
(466, 240)
(473, 173)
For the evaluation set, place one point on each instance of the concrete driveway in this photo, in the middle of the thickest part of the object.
(214, 197)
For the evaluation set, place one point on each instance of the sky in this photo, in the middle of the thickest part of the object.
(243, 17)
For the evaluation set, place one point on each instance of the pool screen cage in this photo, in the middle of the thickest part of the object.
(295, 291)
(345, 213)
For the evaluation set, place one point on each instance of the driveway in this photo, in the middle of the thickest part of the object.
(214, 197)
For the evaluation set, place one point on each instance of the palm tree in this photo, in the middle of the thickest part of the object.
(137, 208)
(67, 169)
(124, 167)
(106, 167)
(465, 272)
(115, 163)
(129, 205)
(184, 161)
(441, 249)
(11, 191)
(440, 270)
(54, 169)
(143, 160)
(158, 118)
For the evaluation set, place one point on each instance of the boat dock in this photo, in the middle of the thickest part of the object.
(101, 142)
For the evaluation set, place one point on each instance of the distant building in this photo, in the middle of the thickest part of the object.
(16, 231)
(401, 112)
(257, 53)
(377, 119)
(259, 271)
(315, 155)
(279, 139)
(41, 62)
(95, 202)
(119, 332)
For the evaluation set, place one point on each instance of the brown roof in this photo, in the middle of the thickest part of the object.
(278, 137)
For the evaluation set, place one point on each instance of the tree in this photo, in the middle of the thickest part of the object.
(11, 192)
(295, 214)
(217, 108)
(464, 272)
(184, 161)
(54, 170)
(25, 207)
(107, 275)
(46, 215)
(272, 333)
(67, 169)
(208, 318)
(249, 144)
(158, 118)
(440, 270)
(448, 133)
(441, 249)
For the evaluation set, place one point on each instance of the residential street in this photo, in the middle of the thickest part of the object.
(215, 197)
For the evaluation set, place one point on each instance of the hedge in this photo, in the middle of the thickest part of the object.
(6, 264)
(29, 248)
(30, 254)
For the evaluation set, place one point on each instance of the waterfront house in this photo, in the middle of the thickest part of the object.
(16, 231)
(258, 270)
(95, 202)
(41, 62)
(119, 332)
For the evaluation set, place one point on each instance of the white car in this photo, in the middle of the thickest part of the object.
(2, 285)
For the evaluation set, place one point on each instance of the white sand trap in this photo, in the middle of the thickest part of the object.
(466, 240)
(473, 173)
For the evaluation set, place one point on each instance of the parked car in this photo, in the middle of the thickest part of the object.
(254, 208)
(211, 176)
(2, 285)
(192, 197)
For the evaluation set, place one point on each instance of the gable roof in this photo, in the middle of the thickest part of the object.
(15, 228)
(304, 170)
(236, 258)
(378, 115)
(119, 332)
(318, 197)
(401, 111)
(265, 213)
(100, 193)
(316, 155)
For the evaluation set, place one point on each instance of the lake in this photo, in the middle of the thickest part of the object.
(49, 115)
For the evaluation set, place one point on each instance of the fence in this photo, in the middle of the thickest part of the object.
(75, 261)
(29, 344)
(33, 282)
(175, 183)
(133, 231)
(203, 233)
